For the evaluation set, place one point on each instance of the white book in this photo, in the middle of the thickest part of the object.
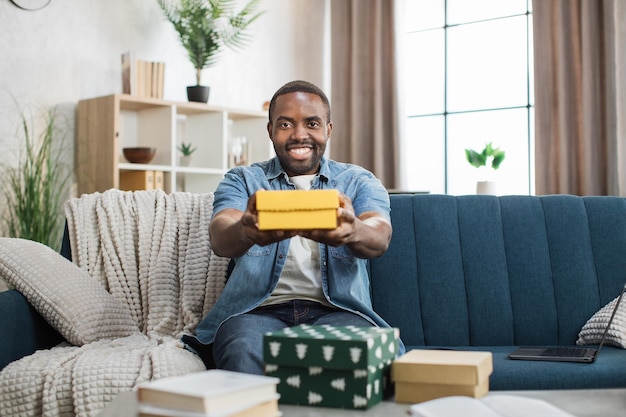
(208, 392)
(264, 409)
(499, 405)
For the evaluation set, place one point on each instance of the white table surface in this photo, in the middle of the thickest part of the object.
(580, 403)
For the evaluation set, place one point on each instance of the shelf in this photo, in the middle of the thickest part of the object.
(107, 124)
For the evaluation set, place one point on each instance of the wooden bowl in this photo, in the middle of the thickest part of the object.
(141, 155)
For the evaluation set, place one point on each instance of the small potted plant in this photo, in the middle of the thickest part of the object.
(205, 27)
(186, 150)
(488, 157)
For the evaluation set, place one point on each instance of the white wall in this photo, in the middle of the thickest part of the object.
(71, 49)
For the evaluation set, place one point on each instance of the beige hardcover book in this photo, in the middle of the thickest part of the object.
(161, 83)
(210, 392)
(452, 367)
(154, 77)
(139, 78)
(159, 180)
(144, 78)
(136, 180)
(265, 409)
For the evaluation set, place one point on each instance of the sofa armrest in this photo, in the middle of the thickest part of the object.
(22, 329)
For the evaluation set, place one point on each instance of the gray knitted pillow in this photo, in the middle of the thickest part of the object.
(73, 302)
(592, 331)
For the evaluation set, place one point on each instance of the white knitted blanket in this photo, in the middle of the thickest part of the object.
(152, 251)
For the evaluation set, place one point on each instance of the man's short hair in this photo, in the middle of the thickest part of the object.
(300, 86)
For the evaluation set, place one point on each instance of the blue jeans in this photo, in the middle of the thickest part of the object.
(238, 344)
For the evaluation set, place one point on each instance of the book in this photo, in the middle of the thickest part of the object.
(211, 391)
(142, 78)
(265, 409)
(160, 79)
(501, 405)
(128, 73)
(159, 180)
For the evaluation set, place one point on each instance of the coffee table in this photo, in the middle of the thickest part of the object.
(580, 403)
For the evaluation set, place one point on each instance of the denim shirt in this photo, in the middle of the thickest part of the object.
(345, 281)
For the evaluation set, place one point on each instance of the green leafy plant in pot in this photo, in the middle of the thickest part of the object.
(491, 157)
(186, 150)
(205, 28)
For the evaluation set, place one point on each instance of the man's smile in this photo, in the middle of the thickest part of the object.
(300, 152)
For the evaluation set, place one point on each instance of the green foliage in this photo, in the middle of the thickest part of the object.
(186, 149)
(489, 156)
(37, 187)
(205, 27)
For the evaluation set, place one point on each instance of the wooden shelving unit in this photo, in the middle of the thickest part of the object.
(107, 124)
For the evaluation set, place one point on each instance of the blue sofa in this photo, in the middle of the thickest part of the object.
(492, 273)
(473, 273)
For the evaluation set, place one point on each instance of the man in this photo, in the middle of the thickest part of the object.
(289, 277)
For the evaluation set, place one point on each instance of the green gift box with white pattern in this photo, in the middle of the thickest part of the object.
(331, 366)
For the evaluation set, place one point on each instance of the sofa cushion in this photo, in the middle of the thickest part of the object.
(509, 374)
(74, 303)
(592, 331)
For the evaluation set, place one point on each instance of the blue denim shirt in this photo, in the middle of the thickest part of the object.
(345, 281)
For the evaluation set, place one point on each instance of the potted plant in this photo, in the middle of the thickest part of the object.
(186, 150)
(205, 28)
(488, 157)
(38, 184)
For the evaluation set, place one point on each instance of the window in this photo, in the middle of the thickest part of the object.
(468, 78)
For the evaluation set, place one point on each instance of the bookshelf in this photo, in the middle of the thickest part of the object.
(105, 125)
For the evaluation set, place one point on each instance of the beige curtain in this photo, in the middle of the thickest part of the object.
(620, 47)
(578, 147)
(364, 86)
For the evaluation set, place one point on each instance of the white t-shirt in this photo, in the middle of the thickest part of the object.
(301, 278)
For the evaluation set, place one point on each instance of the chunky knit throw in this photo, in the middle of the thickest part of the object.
(151, 251)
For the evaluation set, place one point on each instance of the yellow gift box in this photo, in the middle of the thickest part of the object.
(425, 374)
(297, 209)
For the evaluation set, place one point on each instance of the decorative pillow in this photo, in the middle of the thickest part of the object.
(73, 302)
(592, 331)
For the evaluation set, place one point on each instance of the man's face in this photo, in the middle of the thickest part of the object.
(300, 132)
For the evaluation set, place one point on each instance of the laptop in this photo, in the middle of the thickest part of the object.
(566, 353)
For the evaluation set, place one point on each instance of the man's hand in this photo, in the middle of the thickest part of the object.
(250, 223)
(367, 236)
(234, 232)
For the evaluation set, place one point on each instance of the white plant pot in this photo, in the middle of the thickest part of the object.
(486, 187)
(184, 161)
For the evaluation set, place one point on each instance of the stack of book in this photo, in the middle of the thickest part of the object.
(213, 393)
(423, 374)
(142, 78)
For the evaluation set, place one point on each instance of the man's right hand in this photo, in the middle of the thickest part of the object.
(234, 232)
